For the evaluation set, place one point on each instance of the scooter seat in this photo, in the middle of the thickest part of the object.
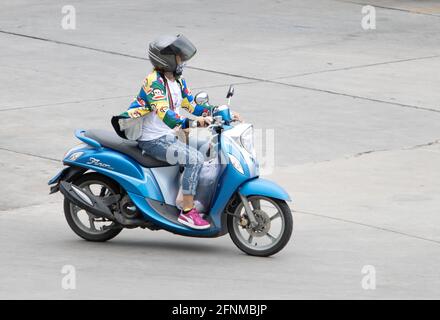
(110, 139)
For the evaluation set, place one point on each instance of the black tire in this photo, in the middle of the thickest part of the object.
(280, 244)
(96, 237)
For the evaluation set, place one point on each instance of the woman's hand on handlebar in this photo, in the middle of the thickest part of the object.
(236, 116)
(204, 121)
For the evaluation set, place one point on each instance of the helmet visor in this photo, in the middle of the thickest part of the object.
(183, 47)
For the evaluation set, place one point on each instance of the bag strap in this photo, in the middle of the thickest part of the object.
(170, 99)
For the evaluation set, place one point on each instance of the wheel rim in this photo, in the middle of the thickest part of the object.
(85, 220)
(271, 224)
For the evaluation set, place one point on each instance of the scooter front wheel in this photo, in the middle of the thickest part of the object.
(272, 232)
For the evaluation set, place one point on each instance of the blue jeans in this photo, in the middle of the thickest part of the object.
(169, 149)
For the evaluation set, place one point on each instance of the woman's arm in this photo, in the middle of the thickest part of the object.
(189, 104)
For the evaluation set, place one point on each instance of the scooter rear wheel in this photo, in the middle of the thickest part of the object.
(274, 229)
(85, 224)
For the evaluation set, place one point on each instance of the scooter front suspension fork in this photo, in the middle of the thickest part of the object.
(248, 209)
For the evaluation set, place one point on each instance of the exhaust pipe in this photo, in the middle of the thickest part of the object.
(99, 206)
(88, 201)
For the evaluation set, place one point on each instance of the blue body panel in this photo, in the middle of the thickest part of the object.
(121, 168)
(264, 187)
(151, 215)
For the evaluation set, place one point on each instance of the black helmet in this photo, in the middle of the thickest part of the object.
(162, 52)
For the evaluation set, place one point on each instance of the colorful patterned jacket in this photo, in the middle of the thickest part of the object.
(153, 97)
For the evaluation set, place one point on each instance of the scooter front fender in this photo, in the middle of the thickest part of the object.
(264, 187)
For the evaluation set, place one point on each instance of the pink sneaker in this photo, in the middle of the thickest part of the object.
(193, 220)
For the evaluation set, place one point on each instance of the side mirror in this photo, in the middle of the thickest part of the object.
(230, 92)
(201, 98)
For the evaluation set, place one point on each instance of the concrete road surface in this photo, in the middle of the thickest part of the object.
(356, 121)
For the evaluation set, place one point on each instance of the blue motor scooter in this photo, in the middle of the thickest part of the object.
(109, 185)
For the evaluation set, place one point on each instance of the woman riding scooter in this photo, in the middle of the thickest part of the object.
(109, 185)
(153, 117)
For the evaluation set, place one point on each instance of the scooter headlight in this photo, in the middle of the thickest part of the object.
(247, 141)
